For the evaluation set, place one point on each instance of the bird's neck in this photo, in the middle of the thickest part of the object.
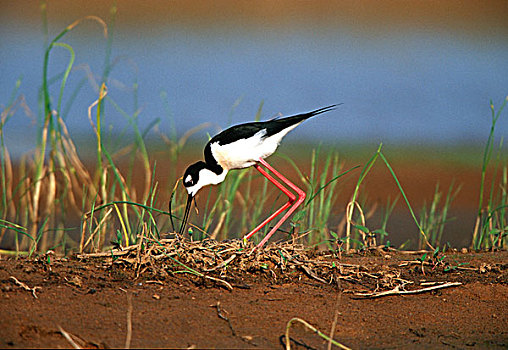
(214, 166)
(211, 162)
(211, 176)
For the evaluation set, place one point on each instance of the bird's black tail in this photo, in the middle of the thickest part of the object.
(320, 111)
(283, 123)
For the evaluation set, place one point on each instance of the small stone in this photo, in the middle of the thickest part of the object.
(156, 296)
(463, 250)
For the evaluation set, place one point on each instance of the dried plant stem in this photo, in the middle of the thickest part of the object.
(398, 291)
(312, 328)
(128, 337)
(349, 219)
(336, 315)
(68, 337)
(25, 287)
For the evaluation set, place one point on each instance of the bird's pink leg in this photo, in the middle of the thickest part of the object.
(292, 203)
(291, 200)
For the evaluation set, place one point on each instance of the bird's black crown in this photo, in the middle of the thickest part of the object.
(191, 176)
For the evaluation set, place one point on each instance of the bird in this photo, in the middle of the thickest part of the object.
(242, 146)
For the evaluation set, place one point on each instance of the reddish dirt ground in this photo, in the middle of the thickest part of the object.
(93, 301)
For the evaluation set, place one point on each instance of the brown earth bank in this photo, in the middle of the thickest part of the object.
(100, 301)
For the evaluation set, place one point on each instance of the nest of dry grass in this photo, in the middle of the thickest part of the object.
(234, 264)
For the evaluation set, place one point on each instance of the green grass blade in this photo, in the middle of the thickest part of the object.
(422, 232)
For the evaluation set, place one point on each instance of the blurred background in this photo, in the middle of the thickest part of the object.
(417, 76)
(408, 72)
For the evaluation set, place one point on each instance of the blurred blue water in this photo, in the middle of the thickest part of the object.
(415, 87)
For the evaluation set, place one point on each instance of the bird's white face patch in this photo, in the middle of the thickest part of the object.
(206, 177)
(188, 179)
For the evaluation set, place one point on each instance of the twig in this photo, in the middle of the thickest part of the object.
(311, 273)
(228, 286)
(197, 273)
(405, 252)
(25, 287)
(225, 318)
(128, 337)
(223, 264)
(312, 328)
(109, 253)
(414, 262)
(427, 263)
(397, 291)
(137, 266)
(336, 316)
(69, 338)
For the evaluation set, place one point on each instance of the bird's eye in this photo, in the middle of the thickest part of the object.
(188, 180)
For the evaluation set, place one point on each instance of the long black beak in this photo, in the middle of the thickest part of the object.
(186, 215)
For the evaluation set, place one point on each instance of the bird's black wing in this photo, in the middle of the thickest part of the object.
(238, 132)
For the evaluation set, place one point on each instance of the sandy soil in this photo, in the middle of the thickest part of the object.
(98, 303)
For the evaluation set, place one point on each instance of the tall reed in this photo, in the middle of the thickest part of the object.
(491, 228)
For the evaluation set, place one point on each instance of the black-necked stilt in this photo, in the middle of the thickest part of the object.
(242, 146)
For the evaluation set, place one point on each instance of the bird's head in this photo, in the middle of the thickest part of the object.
(196, 177)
